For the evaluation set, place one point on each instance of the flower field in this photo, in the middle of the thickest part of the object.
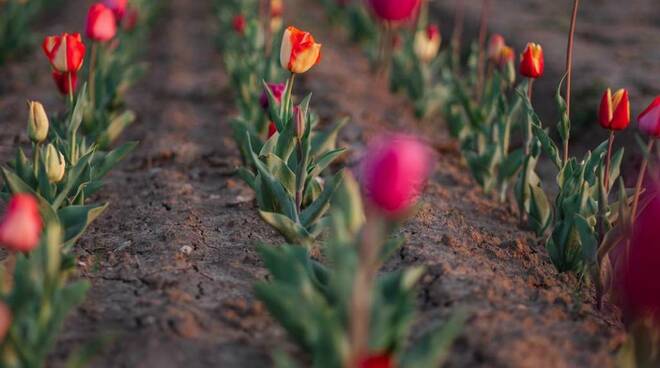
(326, 183)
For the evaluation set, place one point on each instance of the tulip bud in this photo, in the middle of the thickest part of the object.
(37, 122)
(5, 320)
(20, 228)
(510, 72)
(277, 89)
(276, 8)
(118, 7)
(376, 361)
(65, 52)
(532, 63)
(300, 119)
(614, 112)
(394, 173)
(427, 43)
(62, 82)
(239, 23)
(272, 129)
(101, 23)
(495, 46)
(394, 10)
(635, 274)
(130, 19)
(649, 119)
(55, 164)
(299, 51)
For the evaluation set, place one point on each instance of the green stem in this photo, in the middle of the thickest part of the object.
(608, 163)
(483, 33)
(640, 180)
(569, 68)
(35, 157)
(287, 103)
(70, 89)
(528, 142)
(300, 180)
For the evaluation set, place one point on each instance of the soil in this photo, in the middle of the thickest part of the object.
(172, 262)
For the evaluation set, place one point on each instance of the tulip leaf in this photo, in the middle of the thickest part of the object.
(323, 142)
(322, 203)
(281, 172)
(291, 231)
(324, 161)
(76, 219)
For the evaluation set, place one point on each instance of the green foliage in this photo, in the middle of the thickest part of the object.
(40, 298)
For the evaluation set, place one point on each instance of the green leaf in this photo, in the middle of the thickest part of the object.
(321, 205)
(291, 231)
(76, 219)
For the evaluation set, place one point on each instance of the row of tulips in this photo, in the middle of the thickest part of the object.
(585, 232)
(17, 17)
(340, 311)
(49, 192)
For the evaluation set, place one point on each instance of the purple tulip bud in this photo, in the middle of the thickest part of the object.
(277, 89)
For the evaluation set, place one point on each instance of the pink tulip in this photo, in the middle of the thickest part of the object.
(277, 89)
(101, 23)
(118, 7)
(394, 10)
(636, 278)
(649, 119)
(394, 173)
(20, 228)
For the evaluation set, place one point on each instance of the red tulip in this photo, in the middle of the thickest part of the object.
(118, 7)
(299, 51)
(272, 129)
(495, 46)
(614, 112)
(20, 228)
(130, 19)
(376, 361)
(65, 52)
(277, 89)
(532, 63)
(239, 24)
(649, 119)
(394, 10)
(101, 23)
(636, 280)
(394, 173)
(62, 82)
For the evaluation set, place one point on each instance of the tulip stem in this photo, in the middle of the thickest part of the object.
(608, 163)
(91, 77)
(35, 157)
(640, 180)
(528, 142)
(287, 104)
(70, 81)
(361, 298)
(456, 36)
(483, 32)
(300, 180)
(569, 68)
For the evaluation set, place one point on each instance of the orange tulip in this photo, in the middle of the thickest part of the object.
(65, 52)
(614, 112)
(531, 63)
(299, 51)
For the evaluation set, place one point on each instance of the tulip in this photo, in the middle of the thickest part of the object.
(272, 129)
(299, 51)
(495, 46)
(531, 63)
(394, 173)
(394, 10)
(37, 122)
(427, 43)
(118, 7)
(62, 82)
(20, 228)
(376, 361)
(239, 23)
(638, 291)
(276, 8)
(130, 19)
(55, 164)
(614, 112)
(101, 23)
(505, 57)
(65, 52)
(649, 119)
(5, 320)
(277, 89)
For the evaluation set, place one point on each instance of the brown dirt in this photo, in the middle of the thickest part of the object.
(173, 261)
